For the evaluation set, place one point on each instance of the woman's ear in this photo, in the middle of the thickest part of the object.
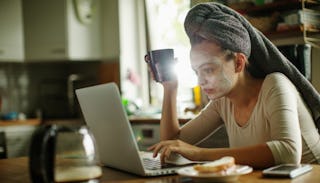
(240, 62)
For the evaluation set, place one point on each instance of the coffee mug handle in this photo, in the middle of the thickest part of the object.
(41, 155)
(147, 58)
(152, 67)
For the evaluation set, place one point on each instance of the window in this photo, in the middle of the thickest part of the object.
(165, 20)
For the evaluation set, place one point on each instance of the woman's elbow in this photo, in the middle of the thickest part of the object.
(293, 155)
(293, 158)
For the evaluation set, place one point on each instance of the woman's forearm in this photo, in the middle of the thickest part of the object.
(257, 156)
(169, 124)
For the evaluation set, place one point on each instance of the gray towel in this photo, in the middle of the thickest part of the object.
(218, 22)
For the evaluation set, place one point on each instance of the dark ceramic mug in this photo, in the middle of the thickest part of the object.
(161, 63)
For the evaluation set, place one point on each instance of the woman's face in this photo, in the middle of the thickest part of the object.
(216, 75)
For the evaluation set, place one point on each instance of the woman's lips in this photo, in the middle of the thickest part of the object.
(208, 91)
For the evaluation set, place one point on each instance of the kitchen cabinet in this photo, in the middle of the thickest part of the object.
(46, 30)
(53, 30)
(18, 140)
(17, 136)
(11, 30)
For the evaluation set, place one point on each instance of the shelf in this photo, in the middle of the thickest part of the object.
(294, 31)
(285, 5)
(291, 32)
(295, 35)
(311, 30)
(307, 33)
(271, 7)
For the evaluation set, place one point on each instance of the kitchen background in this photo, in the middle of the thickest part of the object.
(44, 89)
(49, 48)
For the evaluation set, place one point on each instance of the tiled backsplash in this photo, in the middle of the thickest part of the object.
(28, 87)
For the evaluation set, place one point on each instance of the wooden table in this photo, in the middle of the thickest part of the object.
(16, 171)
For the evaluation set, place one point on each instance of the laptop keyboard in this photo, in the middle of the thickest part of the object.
(154, 164)
(151, 164)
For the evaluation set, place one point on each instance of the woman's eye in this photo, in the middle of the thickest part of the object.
(208, 70)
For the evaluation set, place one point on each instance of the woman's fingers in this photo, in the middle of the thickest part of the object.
(159, 147)
(172, 146)
(151, 148)
(165, 154)
(169, 151)
(151, 73)
(147, 60)
(156, 148)
(175, 146)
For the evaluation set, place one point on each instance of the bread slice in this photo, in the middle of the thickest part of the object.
(216, 166)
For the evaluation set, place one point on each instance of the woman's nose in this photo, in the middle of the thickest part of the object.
(201, 80)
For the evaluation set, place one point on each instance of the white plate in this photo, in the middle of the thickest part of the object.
(212, 177)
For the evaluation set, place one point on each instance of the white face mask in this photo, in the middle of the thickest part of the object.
(215, 74)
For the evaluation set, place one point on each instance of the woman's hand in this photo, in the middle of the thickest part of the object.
(177, 146)
(147, 60)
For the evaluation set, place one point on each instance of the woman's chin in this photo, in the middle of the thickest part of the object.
(214, 97)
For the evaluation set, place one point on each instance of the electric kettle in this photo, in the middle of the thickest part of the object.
(60, 153)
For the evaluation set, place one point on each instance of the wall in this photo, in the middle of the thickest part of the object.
(28, 87)
(110, 29)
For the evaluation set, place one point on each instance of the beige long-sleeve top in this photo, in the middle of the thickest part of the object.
(280, 119)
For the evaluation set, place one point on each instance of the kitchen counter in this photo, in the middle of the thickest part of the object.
(33, 121)
(65, 121)
(154, 119)
(16, 136)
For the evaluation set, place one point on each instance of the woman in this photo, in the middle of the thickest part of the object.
(267, 120)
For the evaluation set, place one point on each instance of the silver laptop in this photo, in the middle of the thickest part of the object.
(105, 115)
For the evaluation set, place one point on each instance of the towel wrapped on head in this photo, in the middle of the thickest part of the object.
(207, 22)
(216, 22)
